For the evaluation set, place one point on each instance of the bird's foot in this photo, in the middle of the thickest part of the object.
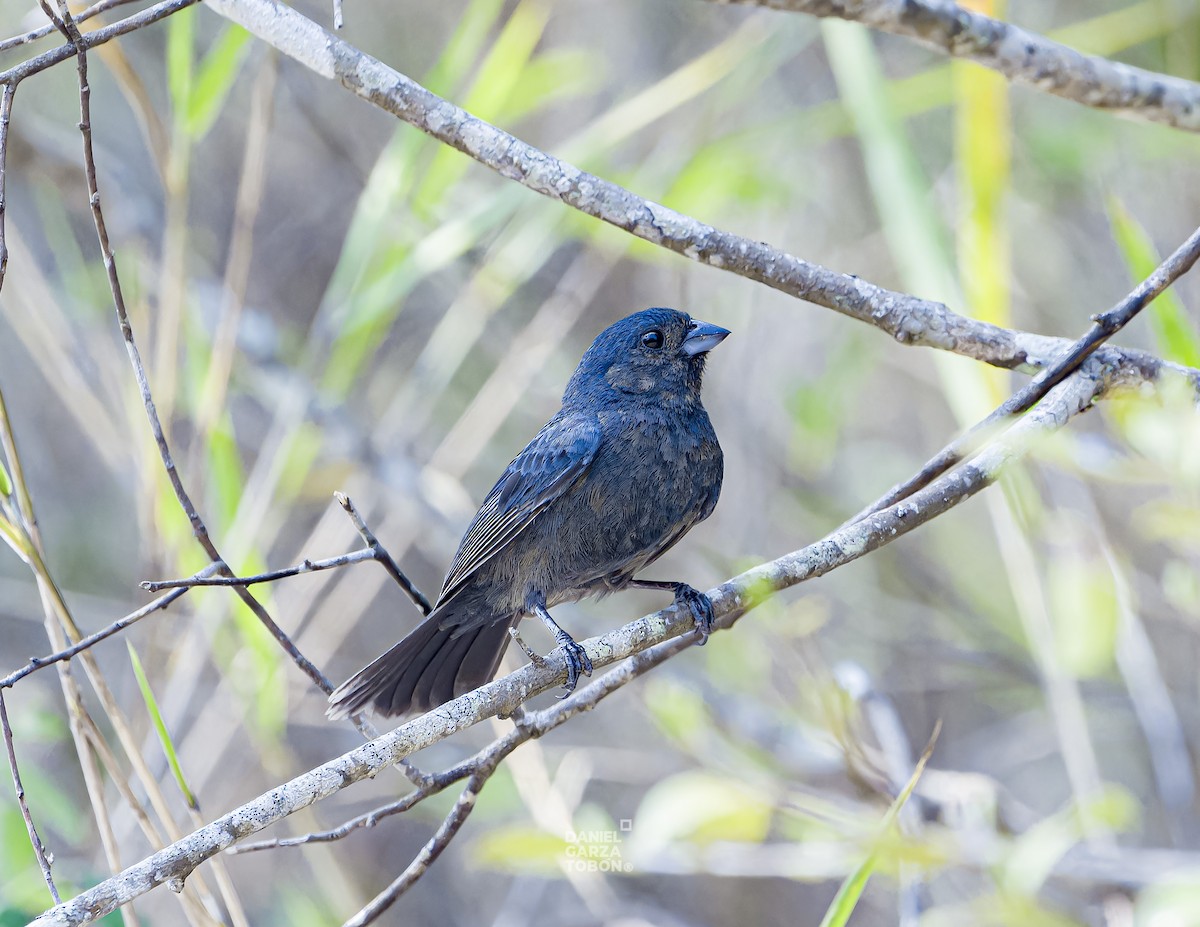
(577, 660)
(699, 606)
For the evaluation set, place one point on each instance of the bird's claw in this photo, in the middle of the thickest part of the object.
(577, 661)
(701, 608)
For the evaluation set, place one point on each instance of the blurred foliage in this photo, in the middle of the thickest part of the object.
(406, 320)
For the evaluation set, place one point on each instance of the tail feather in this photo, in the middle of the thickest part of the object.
(427, 668)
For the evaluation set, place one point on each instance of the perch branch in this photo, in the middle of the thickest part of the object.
(503, 696)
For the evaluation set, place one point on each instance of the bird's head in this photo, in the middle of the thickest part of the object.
(655, 353)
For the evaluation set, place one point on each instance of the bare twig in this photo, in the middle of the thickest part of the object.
(199, 530)
(38, 850)
(37, 663)
(430, 852)
(6, 104)
(146, 17)
(530, 725)
(1104, 326)
(304, 566)
(503, 696)
(908, 319)
(532, 655)
(42, 31)
(374, 551)
(1023, 57)
(382, 555)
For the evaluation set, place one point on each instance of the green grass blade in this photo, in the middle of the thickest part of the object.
(214, 79)
(1175, 335)
(839, 911)
(160, 727)
(180, 59)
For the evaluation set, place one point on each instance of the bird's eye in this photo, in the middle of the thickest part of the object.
(652, 339)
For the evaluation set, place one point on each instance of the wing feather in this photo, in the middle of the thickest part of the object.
(550, 464)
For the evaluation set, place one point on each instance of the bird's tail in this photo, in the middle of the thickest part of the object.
(428, 667)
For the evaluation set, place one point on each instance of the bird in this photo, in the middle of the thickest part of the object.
(626, 468)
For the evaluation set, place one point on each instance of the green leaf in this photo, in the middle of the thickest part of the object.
(491, 90)
(214, 80)
(160, 726)
(851, 889)
(225, 469)
(676, 709)
(520, 848)
(915, 232)
(1174, 900)
(1083, 603)
(1174, 333)
(1036, 852)
(6, 486)
(555, 75)
(700, 807)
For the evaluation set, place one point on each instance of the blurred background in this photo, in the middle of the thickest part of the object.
(328, 300)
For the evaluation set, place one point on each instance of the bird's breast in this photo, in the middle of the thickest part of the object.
(652, 479)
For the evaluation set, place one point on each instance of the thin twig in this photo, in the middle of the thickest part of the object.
(382, 555)
(431, 851)
(42, 31)
(304, 566)
(38, 850)
(530, 725)
(1104, 326)
(37, 663)
(6, 104)
(199, 530)
(533, 656)
(146, 17)
(435, 783)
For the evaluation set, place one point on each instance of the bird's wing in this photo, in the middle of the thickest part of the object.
(550, 464)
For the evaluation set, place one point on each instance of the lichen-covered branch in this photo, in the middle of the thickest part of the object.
(730, 600)
(908, 319)
(1023, 57)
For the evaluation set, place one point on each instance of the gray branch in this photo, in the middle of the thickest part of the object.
(1023, 57)
(173, 864)
(908, 319)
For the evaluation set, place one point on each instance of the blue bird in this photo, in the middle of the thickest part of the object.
(625, 469)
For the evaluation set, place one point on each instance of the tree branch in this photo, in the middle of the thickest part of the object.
(908, 319)
(503, 696)
(1023, 57)
(1104, 326)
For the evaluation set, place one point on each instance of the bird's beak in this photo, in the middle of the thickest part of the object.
(702, 337)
